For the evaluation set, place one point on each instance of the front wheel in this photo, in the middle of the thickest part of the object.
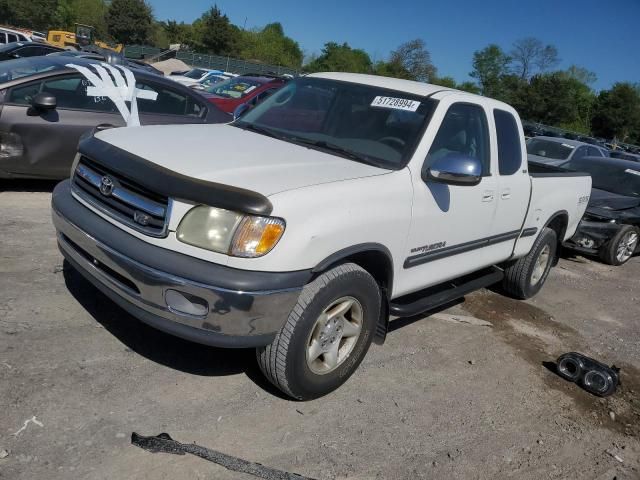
(526, 276)
(621, 247)
(327, 334)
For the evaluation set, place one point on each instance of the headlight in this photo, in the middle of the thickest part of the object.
(228, 232)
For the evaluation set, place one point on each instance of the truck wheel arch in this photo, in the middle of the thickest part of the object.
(375, 258)
(558, 222)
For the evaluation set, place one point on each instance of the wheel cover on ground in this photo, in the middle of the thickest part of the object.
(541, 265)
(627, 246)
(334, 335)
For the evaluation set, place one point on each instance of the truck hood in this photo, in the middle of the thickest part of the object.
(611, 201)
(547, 160)
(232, 156)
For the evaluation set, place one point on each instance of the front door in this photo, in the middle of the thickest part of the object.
(50, 139)
(450, 224)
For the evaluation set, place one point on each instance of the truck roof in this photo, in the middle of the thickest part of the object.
(409, 86)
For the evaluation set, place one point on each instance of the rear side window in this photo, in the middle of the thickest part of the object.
(168, 102)
(509, 147)
(595, 152)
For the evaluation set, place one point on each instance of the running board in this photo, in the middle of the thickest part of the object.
(434, 297)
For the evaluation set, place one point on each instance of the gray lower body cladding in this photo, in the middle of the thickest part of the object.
(238, 308)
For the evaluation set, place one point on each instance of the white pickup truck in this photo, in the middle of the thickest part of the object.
(303, 226)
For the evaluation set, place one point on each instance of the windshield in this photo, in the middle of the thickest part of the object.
(614, 178)
(549, 149)
(365, 123)
(236, 87)
(24, 67)
(195, 73)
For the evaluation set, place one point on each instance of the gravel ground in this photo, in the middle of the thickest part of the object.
(463, 393)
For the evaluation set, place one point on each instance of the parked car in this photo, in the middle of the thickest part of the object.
(9, 35)
(45, 109)
(243, 90)
(625, 156)
(209, 81)
(196, 75)
(611, 225)
(14, 50)
(299, 228)
(555, 151)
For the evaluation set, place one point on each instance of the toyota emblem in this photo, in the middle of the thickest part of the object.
(106, 186)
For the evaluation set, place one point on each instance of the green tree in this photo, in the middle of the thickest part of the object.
(617, 113)
(490, 66)
(214, 33)
(448, 82)
(36, 14)
(340, 58)
(469, 87)
(88, 12)
(581, 74)
(130, 21)
(271, 45)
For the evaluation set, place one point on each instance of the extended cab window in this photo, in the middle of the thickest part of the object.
(509, 147)
(464, 131)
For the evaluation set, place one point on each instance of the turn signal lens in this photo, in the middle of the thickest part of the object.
(256, 236)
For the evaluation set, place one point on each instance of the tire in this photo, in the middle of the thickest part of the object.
(525, 277)
(290, 361)
(611, 254)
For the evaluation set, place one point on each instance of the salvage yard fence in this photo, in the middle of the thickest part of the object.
(213, 62)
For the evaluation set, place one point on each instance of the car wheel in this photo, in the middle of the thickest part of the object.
(327, 334)
(621, 247)
(525, 277)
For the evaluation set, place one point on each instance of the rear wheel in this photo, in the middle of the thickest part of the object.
(525, 277)
(621, 247)
(327, 334)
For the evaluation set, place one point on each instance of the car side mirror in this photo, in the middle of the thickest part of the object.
(454, 169)
(44, 101)
(241, 110)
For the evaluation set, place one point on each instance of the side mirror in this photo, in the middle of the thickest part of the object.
(455, 169)
(44, 101)
(241, 110)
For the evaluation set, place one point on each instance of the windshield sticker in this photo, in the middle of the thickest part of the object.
(250, 89)
(632, 172)
(568, 146)
(396, 103)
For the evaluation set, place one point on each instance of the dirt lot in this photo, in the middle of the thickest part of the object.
(448, 396)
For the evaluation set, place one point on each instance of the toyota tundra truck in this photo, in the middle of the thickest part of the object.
(301, 228)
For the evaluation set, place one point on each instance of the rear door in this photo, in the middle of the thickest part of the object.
(50, 139)
(514, 184)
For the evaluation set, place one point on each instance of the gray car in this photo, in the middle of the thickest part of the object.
(39, 139)
(556, 151)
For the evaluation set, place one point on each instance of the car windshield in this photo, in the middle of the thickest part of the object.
(195, 73)
(623, 180)
(364, 123)
(549, 149)
(23, 67)
(236, 87)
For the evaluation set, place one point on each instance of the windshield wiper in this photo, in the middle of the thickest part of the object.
(332, 147)
(261, 130)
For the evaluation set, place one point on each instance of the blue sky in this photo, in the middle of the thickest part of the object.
(601, 35)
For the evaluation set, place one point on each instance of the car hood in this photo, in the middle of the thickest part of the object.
(611, 201)
(236, 157)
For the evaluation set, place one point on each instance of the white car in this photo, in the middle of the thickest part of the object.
(301, 227)
(8, 35)
(196, 75)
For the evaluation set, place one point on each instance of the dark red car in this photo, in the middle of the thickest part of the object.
(250, 89)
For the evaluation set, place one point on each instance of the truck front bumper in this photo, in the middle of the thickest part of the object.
(181, 295)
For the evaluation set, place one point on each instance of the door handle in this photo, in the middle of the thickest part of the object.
(506, 194)
(488, 196)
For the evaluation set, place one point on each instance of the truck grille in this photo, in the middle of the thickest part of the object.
(120, 198)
